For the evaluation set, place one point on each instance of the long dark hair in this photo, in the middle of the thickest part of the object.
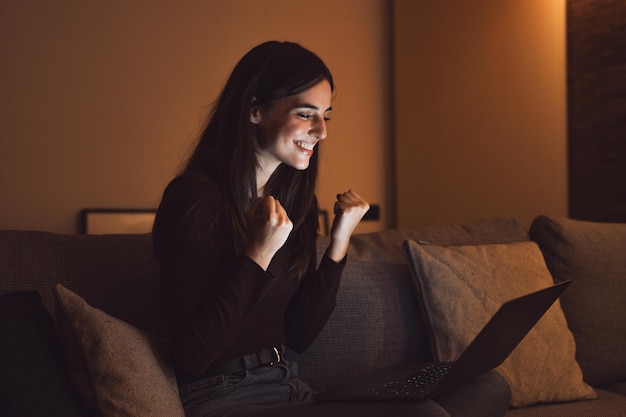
(270, 71)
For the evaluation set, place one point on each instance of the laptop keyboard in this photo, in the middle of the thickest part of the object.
(417, 383)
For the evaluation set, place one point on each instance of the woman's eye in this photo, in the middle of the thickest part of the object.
(304, 116)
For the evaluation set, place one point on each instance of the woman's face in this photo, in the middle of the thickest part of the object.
(290, 128)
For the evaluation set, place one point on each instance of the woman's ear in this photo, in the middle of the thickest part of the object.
(255, 112)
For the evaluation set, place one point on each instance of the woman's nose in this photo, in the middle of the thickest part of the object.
(319, 128)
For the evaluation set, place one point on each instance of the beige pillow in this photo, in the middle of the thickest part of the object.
(461, 287)
(118, 369)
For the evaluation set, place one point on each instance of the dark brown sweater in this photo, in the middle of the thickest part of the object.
(220, 305)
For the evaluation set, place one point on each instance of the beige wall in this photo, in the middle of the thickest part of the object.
(480, 112)
(102, 100)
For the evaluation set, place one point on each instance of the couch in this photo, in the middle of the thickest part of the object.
(80, 315)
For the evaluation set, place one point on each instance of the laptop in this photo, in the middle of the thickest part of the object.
(493, 344)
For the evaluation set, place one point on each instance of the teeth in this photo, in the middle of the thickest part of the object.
(306, 145)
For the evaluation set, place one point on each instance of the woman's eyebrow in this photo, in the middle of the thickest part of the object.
(310, 106)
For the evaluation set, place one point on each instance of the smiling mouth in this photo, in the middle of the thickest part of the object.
(306, 146)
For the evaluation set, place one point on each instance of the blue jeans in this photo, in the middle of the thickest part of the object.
(276, 391)
(266, 385)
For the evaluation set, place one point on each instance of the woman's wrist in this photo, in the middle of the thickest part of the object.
(259, 258)
(337, 249)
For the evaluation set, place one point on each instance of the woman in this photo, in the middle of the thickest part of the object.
(235, 235)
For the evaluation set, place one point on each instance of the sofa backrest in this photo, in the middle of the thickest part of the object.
(116, 273)
(375, 324)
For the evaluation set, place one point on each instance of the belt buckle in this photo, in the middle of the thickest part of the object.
(277, 356)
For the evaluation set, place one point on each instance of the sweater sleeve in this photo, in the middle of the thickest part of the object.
(207, 291)
(313, 304)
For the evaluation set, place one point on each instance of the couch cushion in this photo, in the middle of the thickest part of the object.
(376, 322)
(33, 378)
(593, 256)
(608, 404)
(461, 287)
(119, 370)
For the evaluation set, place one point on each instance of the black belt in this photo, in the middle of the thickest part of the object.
(269, 356)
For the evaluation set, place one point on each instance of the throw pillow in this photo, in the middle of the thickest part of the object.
(119, 369)
(461, 287)
(593, 256)
(31, 361)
